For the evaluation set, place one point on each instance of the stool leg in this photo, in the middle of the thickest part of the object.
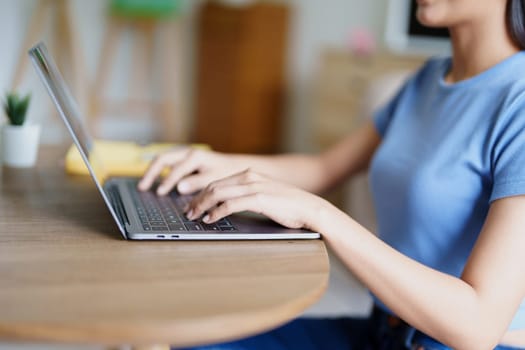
(36, 26)
(103, 71)
(77, 57)
(142, 61)
(172, 107)
(70, 42)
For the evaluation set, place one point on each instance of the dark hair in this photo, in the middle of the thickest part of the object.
(516, 21)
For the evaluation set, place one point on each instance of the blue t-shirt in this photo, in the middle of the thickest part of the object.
(447, 152)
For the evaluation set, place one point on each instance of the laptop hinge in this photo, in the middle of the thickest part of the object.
(117, 204)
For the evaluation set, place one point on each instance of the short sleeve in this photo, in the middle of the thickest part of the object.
(508, 164)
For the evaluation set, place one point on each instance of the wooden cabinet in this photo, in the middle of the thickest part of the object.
(240, 76)
(343, 93)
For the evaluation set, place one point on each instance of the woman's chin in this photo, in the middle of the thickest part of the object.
(430, 20)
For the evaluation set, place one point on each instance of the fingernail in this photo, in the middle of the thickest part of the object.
(182, 187)
(206, 218)
(189, 214)
(161, 190)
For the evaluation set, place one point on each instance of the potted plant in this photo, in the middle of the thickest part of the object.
(19, 138)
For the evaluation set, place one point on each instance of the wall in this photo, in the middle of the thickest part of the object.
(316, 24)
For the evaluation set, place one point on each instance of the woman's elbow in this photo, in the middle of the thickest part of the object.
(475, 337)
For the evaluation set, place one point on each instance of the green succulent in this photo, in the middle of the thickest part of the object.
(16, 107)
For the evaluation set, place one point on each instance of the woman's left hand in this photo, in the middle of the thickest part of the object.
(251, 191)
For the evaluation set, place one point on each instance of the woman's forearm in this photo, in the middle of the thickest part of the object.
(443, 306)
(319, 173)
(301, 170)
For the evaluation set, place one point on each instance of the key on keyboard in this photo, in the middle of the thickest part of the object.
(166, 213)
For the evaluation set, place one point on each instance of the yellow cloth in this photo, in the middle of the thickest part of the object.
(118, 158)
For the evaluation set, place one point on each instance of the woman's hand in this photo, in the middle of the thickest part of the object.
(191, 170)
(251, 191)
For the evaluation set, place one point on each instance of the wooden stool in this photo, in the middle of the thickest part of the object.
(145, 19)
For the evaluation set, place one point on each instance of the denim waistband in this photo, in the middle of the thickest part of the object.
(392, 333)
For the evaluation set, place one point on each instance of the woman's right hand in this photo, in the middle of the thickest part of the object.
(190, 170)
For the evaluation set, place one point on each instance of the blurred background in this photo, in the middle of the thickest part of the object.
(239, 75)
(235, 69)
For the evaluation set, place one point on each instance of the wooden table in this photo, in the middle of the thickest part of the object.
(66, 274)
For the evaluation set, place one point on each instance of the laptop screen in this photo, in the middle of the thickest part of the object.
(69, 112)
(66, 106)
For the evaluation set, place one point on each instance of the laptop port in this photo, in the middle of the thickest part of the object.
(161, 236)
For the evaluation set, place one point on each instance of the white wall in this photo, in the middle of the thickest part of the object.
(316, 24)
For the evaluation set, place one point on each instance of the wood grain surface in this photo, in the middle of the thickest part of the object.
(67, 275)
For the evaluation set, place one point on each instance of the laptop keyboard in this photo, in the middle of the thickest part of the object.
(165, 213)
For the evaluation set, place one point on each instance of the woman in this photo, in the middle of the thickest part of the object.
(447, 169)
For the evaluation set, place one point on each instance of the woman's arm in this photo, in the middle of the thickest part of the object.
(191, 170)
(471, 312)
(349, 157)
(321, 172)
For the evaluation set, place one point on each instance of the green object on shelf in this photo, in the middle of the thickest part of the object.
(144, 9)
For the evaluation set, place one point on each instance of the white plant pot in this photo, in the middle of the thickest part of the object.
(20, 145)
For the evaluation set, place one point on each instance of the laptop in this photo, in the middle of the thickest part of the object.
(144, 215)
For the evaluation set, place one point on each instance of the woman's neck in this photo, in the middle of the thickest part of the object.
(478, 46)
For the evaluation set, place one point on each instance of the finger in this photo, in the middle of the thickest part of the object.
(155, 168)
(213, 195)
(254, 202)
(244, 177)
(251, 202)
(194, 183)
(179, 170)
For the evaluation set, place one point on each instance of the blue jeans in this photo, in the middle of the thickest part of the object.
(378, 332)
